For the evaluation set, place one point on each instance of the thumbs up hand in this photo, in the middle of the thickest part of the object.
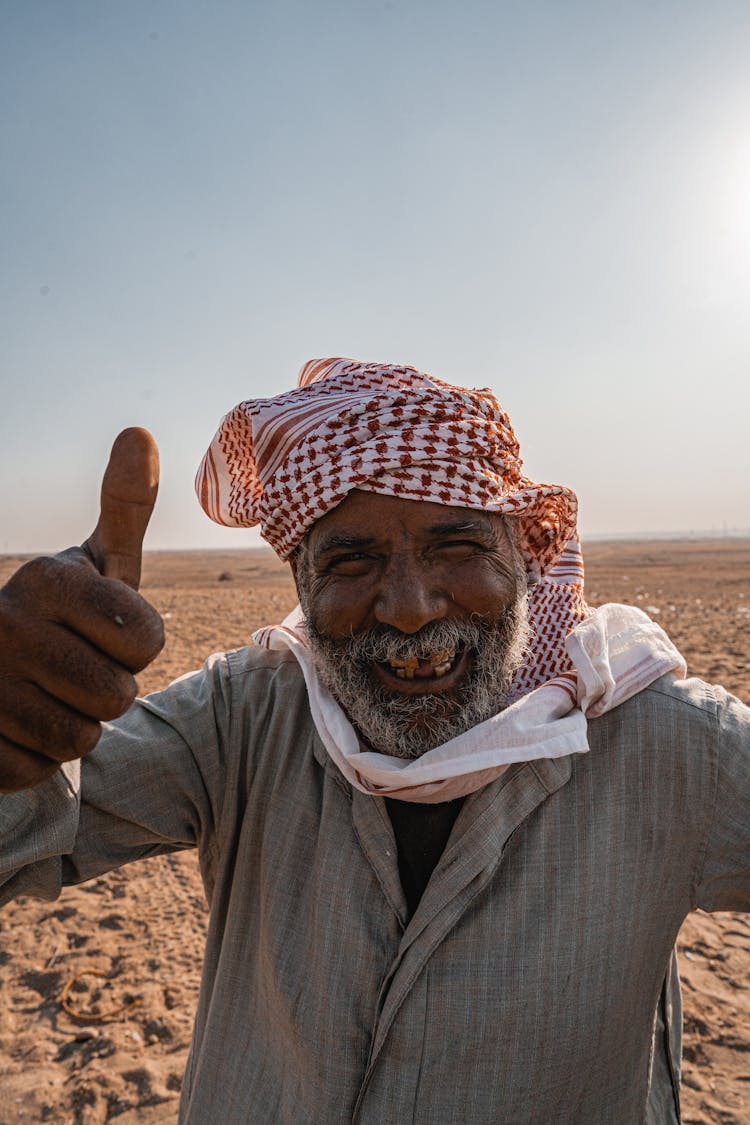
(74, 630)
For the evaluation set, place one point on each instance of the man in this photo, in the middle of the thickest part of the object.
(449, 821)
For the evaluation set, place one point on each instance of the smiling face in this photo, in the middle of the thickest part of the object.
(417, 615)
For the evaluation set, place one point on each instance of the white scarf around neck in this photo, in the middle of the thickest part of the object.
(616, 652)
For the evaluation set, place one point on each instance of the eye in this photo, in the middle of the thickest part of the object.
(458, 549)
(350, 565)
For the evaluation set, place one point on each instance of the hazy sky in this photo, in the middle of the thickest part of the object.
(549, 198)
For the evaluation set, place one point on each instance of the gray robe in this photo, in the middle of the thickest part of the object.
(534, 983)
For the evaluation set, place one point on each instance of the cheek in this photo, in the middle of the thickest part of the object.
(337, 612)
(483, 590)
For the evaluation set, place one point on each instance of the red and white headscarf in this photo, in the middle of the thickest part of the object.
(283, 462)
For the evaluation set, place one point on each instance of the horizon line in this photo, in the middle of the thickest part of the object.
(700, 536)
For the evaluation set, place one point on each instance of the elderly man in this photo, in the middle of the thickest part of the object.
(449, 820)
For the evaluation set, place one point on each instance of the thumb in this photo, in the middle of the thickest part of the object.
(129, 487)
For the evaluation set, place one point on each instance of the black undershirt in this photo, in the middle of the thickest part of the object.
(421, 833)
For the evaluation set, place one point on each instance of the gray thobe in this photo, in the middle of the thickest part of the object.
(534, 983)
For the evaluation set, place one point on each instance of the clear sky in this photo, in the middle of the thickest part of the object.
(552, 199)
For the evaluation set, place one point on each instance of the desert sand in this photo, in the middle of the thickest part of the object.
(99, 988)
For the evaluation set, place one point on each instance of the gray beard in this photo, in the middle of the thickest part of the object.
(408, 726)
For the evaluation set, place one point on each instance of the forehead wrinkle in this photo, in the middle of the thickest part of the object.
(451, 527)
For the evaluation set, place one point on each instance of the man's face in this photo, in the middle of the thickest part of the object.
(417, 615)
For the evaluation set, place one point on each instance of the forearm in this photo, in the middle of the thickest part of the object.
(37, 827)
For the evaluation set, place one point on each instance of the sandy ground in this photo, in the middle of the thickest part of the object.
(99, 988)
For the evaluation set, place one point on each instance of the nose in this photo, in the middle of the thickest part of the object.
(407, 599)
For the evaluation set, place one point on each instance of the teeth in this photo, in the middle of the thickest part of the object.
(441, 664)
(410, 664)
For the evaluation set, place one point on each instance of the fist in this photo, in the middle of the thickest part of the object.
(74, 630)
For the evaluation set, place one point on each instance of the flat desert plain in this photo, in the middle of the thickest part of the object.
(99, 988)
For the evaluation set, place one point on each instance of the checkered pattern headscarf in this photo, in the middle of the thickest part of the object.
(284, 462)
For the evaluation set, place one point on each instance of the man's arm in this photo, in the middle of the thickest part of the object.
(724, 878)
(74, 630)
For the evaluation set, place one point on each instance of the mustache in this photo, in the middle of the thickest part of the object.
(407, 726)
(384, 643)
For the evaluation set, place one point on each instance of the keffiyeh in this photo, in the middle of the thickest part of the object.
(283, 462)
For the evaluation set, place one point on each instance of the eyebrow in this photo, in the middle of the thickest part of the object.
(340, 541)
(350, 541)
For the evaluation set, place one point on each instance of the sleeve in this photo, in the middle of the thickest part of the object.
(724, 882)
(150, 786)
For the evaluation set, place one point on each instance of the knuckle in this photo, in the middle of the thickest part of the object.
(117, 694)
(41, 570)
(149, 637)
(36, 587)
(22, 769)
(81, 740)
(157, 636)
(69, 735)
(37, 728)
